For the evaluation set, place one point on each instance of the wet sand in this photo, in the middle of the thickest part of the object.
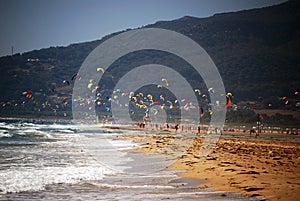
(267, 166)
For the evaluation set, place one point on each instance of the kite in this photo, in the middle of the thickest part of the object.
(198, 91)
(201, 112)
(150, 98)
(131, 94)
(90, 85)
(285, 99)
(186, 102)
(27, 94)
(157, 103)
(155, 111)
(165, 80)
(162, 97)
(125, 94)
(100, 69)
(228, 100)
(171, 104)
(66, 82)
(211, 90)
(140, 94)
(75, 76)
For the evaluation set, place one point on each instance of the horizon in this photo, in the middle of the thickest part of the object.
(36, 25)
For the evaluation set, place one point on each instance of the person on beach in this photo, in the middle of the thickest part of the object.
(176, 127)
(252, 130)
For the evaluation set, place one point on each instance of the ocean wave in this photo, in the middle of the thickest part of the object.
(75, 155)
(14, 181)
(31, 130)
(5, 134)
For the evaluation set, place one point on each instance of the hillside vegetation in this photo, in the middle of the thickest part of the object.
(256, 52)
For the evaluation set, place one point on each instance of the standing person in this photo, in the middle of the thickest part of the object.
(259, 119)
(199, 129)
(252, 130)
(176, 127)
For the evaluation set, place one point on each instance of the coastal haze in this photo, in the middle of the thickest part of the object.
(195, 100)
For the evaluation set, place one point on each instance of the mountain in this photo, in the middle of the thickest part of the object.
(256, 52)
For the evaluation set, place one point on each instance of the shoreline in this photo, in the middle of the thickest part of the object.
(50, 119)
(265, 167)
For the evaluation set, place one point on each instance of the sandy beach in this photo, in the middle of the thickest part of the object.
(267, 166)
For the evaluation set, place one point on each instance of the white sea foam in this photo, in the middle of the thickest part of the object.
(4, 133)
(72, 157)
(23, 179)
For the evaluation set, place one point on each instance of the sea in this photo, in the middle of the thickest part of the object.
(44, 160)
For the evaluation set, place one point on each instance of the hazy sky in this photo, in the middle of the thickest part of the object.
(36, 24)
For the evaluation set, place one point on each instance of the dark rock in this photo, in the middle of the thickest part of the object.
(249, 189)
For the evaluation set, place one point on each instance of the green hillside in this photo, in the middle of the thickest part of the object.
(256, 51)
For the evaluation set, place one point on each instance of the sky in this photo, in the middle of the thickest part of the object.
(34, 24)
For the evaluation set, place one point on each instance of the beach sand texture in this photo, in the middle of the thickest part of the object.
(257, 167)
